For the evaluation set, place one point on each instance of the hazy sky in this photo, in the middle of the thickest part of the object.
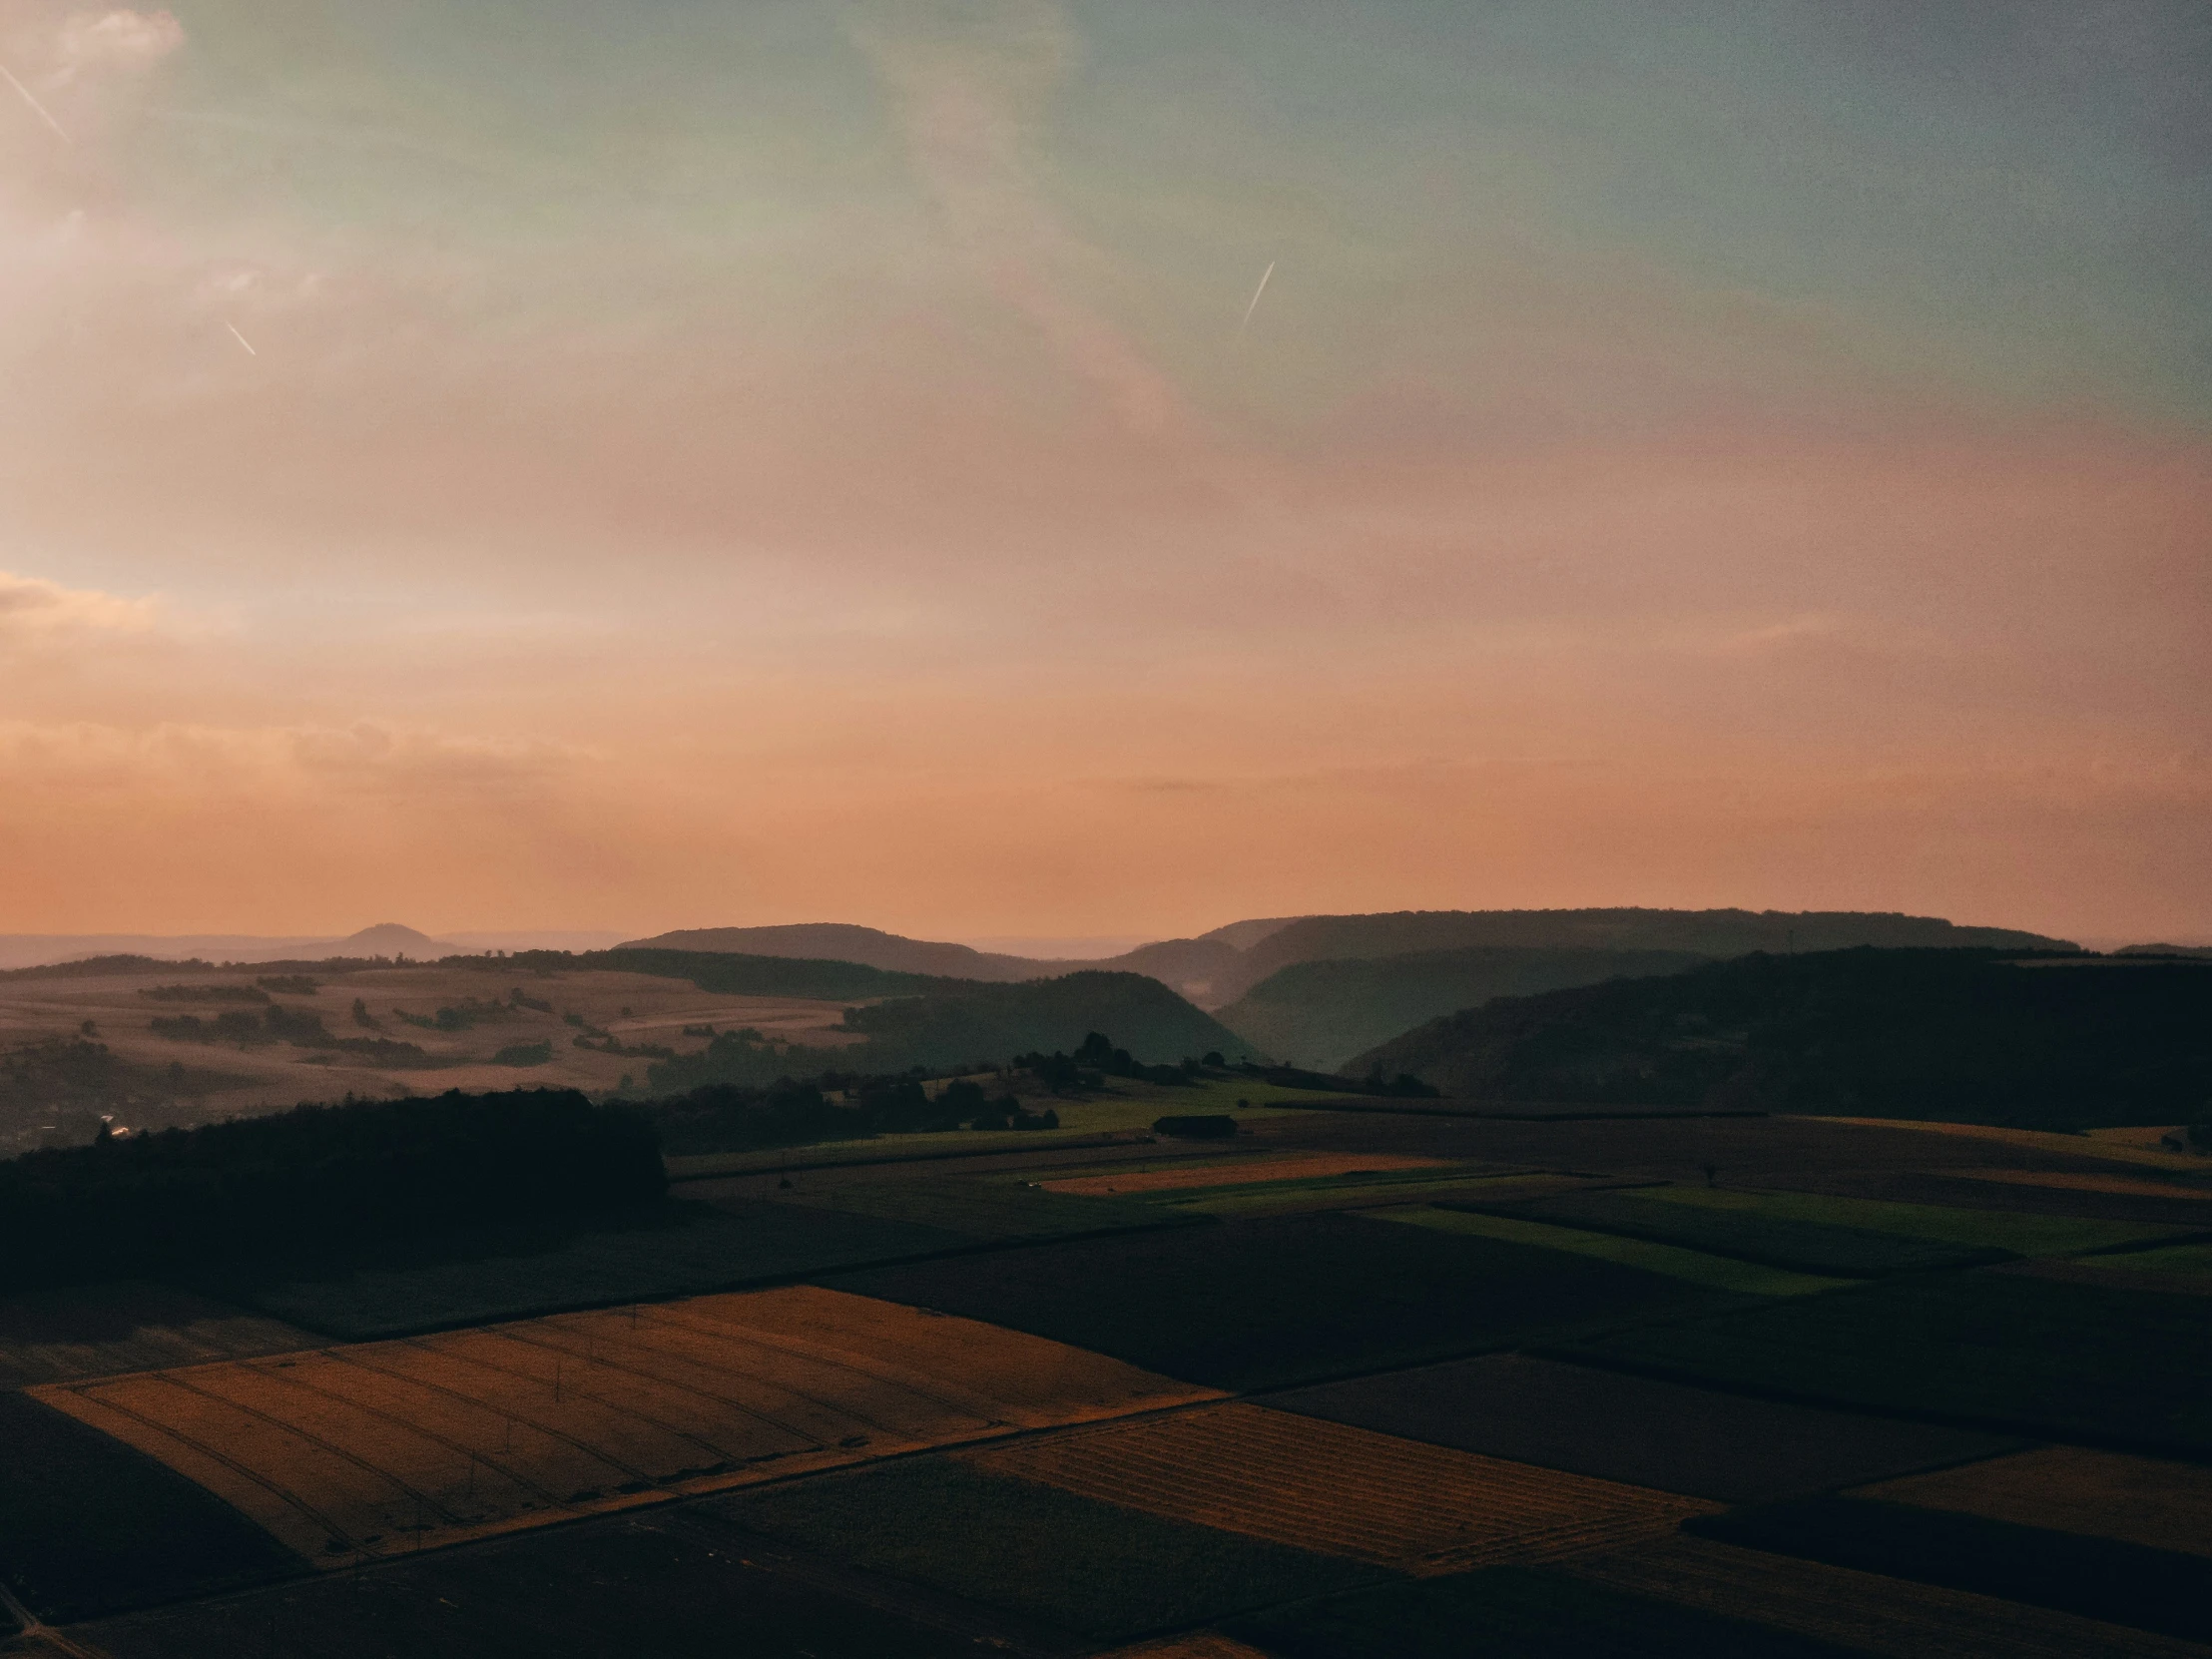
(488, 463)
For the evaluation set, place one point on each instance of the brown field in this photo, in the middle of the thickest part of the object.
(1202, 1645)
(2080, 1181)
(1288, 1166)
(2142, 1500)
(380, 1447)
(1863, 1610)
(277, 1074)
(1341, 1491)
(100, 1330)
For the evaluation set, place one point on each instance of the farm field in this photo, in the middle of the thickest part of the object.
(1531, 1611)
(88, 1525)
(2122, 1146)
(2076, 1181)
(2103, 1495)
(655, 1582)
(97, 1330)
(1638, 1429)
(1125, 1110)
(1992, 1349)
(2094, 1577)
(1778, 1241)
(1209, 1173)
(1338, 1491)
(1863, 1612)
(1251, 1304)
(1714, 1272)
(1092, 1568)
(977, 1208)
(1970, 1228)
(381, 1447)
(684, 1250)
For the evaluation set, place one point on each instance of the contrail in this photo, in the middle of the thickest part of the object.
(43, 113)
(1255, 292)
(242, 339)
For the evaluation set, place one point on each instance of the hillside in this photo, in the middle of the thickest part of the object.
(844, 942)
(1218, 968)
(1711, 934)
(958, 1023)
(1320, 1014)
(1932, 1034)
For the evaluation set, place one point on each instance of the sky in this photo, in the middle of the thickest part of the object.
(577, 464)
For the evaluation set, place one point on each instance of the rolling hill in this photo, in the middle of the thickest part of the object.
(1966, 1036)
(1320, 1014)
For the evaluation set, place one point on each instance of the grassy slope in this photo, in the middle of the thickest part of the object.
(2022, 1235)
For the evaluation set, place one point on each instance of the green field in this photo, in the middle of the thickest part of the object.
(1092, 1567)
(1720, 1273)
(2022, 1235)
(1527, 1612)
(2188, 1260)
(2003, 1349)
(1778, 1241)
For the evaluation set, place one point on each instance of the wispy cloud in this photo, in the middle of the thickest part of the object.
(972, 81)
(33, 609)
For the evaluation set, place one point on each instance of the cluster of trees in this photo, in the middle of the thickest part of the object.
(471, 1011)
(301, 1028)
(722, 1117)
(203, 993)
(290, 984)
(318, 1178)
(2054, 1042)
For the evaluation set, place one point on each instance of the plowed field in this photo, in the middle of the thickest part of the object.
(430, 1440)
(2072, 1181)
(1341, 1491)
(1864, 1610)
(2140, 1500)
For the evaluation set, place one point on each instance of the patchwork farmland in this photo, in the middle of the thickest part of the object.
(1072, 1399)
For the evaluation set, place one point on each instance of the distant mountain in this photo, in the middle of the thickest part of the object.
(1958, 1036)
(1713, 934)
(390, 938)
(1320, 1014)
(1218, 968)
(386, 938)
(843, 943)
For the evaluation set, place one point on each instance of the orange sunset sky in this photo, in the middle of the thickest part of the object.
(568, 465)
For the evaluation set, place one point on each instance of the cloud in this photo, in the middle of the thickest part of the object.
(32, 609)
(970, 81)
(114, 41)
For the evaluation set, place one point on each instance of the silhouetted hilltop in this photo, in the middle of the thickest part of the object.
(1958, 1036)
(1320, 1014)
(844, 942)
(1218, 968)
